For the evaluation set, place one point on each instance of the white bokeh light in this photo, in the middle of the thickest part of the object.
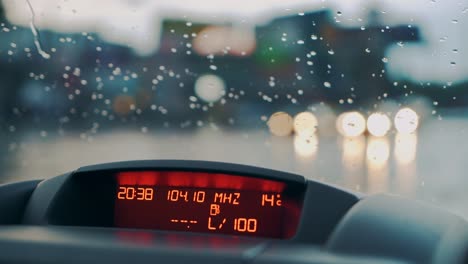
(306, 147)
(406, 121)
(351, 124)
(305, 124)
(210, 88)
(378, 152)
(378, 124)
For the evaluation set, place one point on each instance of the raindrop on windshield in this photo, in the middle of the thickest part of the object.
(35, 32)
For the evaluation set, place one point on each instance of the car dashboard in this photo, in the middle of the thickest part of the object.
(179, 211)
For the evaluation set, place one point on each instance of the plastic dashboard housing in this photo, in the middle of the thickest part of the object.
(59, 201)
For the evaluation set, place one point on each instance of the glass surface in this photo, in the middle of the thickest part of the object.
(368, 95)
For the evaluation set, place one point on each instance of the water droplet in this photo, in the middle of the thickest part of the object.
(455, 50)
(327, 84)
(453, 63)
(363, 28)
(313, 37)
(339, 13)
(300, 42)
(331, 52)
(384, 59)
(400, 43)
(454, 21)
(368, 50)
(35, 32)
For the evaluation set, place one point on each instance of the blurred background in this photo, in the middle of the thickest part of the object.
(367, 95)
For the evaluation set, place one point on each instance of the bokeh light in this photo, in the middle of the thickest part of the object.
(306, 147)
(378, 152)
(122, 104)
(210, 88)
(305, 124)
(406, 121)
(378, 124)
(353, 153)
(405, 148)
(218, 40)
(280, 124)
(351, 124)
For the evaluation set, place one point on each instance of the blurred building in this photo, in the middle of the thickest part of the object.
(288, 64)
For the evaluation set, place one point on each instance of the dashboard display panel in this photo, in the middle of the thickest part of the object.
(208, 203)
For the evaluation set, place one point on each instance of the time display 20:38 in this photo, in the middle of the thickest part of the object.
(138, 193)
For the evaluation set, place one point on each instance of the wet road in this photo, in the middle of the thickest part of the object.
(429, 166)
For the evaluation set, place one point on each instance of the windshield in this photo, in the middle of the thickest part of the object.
(367, 95)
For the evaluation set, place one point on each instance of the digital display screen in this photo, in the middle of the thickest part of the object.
(207, 203)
